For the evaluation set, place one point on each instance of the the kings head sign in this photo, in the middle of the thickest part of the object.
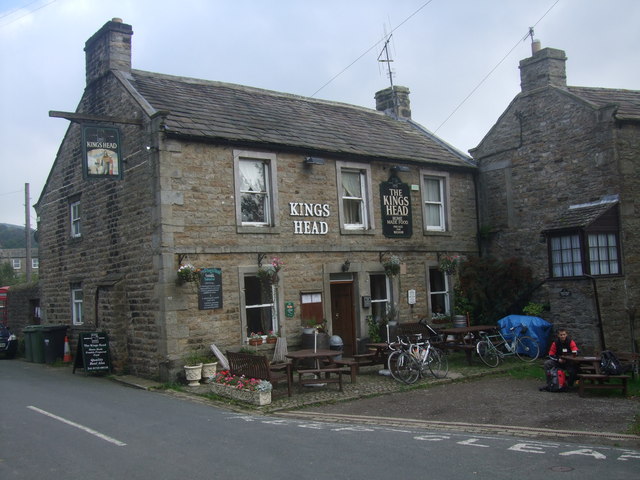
(101, 152)
(395, 208)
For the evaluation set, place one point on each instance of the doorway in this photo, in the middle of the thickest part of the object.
(342, 315)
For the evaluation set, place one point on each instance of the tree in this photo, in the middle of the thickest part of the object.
(494, 287)
(7, 274)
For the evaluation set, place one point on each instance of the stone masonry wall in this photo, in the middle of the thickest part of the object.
(570, 153)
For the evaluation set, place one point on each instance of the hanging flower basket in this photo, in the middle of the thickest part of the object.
(449, 264)
(392, 266)
(187, 273)
(268, 275)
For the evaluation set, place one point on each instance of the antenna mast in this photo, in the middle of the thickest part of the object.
(387, 59)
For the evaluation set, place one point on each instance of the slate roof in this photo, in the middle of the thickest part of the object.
(581, 216)
(234, 113)
(628, 101)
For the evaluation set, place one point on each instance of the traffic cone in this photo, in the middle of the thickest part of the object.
(67, 351)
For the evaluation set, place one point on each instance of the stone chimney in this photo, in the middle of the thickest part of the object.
(545, 67)
(394, 101)
(108, 49)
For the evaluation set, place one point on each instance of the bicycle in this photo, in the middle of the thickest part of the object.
(493, 348)
(408, 361)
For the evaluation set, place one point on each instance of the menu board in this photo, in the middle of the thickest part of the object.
(210, 289)
(92, 353)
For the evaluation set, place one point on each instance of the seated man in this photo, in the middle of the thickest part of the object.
(562, 345)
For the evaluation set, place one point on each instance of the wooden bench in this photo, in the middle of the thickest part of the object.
(354, 363)
(257, 366)
(318, 377)
(467, 348)
(599, 381)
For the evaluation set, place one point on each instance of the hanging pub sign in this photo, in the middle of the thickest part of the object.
(395, 208)
(101, 152)
(210, 289)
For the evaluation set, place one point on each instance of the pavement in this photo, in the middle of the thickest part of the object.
(471, 399)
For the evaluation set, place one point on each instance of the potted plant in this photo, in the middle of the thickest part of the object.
(209, 368)
(187, 273)
(255, 339)
(269, 275)
(272, 337)
(392, 266)
(193, 368)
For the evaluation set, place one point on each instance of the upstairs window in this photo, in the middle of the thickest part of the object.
(74, 217)
(434, 206)
(255, 175)
(355, 197)
(35, 264)
(16, 263)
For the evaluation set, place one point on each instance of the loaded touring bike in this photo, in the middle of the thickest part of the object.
(410, 360)
(493, 348)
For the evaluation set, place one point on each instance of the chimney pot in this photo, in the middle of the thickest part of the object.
(108, 49)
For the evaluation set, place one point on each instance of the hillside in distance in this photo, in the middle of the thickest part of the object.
(12, 236)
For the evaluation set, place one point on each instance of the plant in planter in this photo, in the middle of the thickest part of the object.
(392, 266)
(193, 368)
(251, 390)
(268, 275)
(187, 273)
(533, 309)
(272, 337)
(255, 339)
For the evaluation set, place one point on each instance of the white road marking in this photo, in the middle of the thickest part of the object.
(77, 425)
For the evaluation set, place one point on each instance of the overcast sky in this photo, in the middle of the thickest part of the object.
(459, 58)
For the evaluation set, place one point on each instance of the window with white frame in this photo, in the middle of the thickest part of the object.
(260, 312)
(256, 193)
(439, 292)
(16, 263)
(578, 253)
(434, 189)
(77, 299)
(74, 217)
(380, 302)
(354, 183)
(35, 263)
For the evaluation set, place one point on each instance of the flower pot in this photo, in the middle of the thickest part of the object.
(255, 341)
(193, 373)
(272, 340)
(209, 371)
(248, 396)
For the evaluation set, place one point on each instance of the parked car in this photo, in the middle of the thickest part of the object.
(8, 342)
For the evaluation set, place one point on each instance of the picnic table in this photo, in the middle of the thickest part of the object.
(591, 377)
(464, 338)
(320, 356)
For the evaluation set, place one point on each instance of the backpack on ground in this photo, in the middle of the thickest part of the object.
(609, 363)
(556, 380)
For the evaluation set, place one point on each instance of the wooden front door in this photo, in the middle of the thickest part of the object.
(342, 315)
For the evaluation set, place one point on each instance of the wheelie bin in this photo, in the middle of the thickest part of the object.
(53, 340)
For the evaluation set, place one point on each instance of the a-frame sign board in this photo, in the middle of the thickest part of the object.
(92, 353)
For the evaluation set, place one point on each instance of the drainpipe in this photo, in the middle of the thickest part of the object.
(595, 293)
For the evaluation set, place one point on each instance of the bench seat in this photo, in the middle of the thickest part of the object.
(318, 377)
(596, 381)
(257, 366)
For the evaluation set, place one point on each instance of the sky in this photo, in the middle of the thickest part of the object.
(459, 58)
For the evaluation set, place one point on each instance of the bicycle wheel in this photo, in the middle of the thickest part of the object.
(487, 353)
(438, 363)
(527, 349)
(392, 364)
(407, 368)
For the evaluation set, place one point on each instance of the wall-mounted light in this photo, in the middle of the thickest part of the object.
(346, 265)
(314, 161)
(400, 168)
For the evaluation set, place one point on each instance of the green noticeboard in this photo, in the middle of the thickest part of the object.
(92, 353)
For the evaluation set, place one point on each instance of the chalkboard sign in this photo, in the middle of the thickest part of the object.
(92, 353)
(210, 289)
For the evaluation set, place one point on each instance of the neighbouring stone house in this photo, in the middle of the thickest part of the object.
(156, 172)
(17, 258)
(559, 186)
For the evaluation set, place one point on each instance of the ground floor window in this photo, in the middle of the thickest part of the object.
(439, 292)
(260, 312)
(379, 285)
(77, 300)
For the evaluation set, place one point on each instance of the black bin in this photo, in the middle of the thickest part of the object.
(53, 338)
